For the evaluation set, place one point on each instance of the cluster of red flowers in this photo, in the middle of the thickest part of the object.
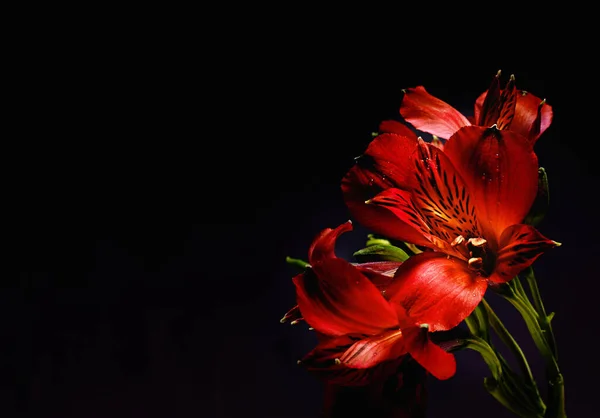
(462, 201)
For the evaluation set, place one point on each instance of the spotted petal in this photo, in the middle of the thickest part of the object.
(500, 170)
(386, 164)
(520, 246)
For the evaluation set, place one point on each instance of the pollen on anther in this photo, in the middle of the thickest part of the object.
(337, 361)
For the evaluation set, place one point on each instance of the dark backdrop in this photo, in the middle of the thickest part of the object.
(162, 183)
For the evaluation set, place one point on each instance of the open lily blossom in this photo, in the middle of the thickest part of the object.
(465, 203)
(356, 313)
(507, 108)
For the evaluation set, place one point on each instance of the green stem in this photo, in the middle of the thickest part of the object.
(472, 324)
(535, 322)
(488, 355)
(497, 385)
(510, 342)
(498, 392)
(539, 307)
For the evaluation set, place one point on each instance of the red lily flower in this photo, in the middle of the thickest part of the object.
(508, 108)
(465, 202)
(362, 333)
(401, 395)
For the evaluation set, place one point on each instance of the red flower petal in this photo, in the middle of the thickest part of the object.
(369, 352)
(321, 362)
(358, 188)
(323, 246)
(531, 111)
(395, 127)
(520, 245)
(442, 198)
(336, 299)
(381, 273)
(434, 359)
(399, 202)
(500, 170)
(498, 106)
(526, 115)
(437, 290)
(486, 109)
(430, 114)
(378, 269)
(403, 394)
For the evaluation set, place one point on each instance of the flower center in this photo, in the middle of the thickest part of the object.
(476, 252)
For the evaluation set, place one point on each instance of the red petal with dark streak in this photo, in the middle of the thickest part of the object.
(486, 106)
(500, 170)
(437, 290)
(526, 113)
(321, 362)
(442, 198)
(520, 245)
(358, 188)
(369, 352)
(336, 299)
(430, 114)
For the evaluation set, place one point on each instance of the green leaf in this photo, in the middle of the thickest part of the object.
(542, 200)
(372, 240)
(381, 252)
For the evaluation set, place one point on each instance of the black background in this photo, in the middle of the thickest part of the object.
(162, 176)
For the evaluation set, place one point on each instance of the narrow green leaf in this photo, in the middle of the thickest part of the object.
(542, 201)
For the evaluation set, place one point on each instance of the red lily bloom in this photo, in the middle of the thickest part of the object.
(465, 202)
(508, 108)
(401, 395)
(362, 332)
